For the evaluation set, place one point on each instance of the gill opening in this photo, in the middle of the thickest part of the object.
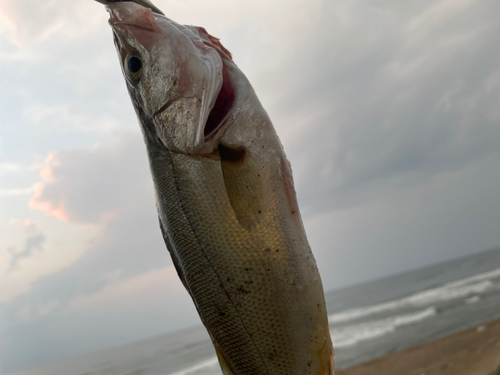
(222, 106)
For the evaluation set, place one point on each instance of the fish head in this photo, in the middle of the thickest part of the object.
(174, 75)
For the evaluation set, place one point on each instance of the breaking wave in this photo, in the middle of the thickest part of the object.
(351, 335)
(210, 366)
(458, 289)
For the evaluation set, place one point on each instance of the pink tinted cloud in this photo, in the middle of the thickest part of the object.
(37, 201)
(7, 14)
(30, 22)
(84, 186)
(23, 223)
(47, 172)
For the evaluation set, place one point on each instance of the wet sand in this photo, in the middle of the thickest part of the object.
(475, 351)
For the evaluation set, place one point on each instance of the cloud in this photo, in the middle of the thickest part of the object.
(9, 167)
(33, 242)
(108, 188)
(8, 173)
(70, 116)
(87, 186)
(65, 88)
(32, 23)
(11, 192)
(381, 105)
(48, 20)
(107, 191)
(28, 224)
(452, 215)
(40, 249)
(437, 13)
(122, 312)
(119, 293)
(48, 307)
(37, 201)
(104, 197)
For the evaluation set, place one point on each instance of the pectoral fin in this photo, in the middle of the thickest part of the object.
(243, 184)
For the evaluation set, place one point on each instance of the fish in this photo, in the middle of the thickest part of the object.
(225, 196)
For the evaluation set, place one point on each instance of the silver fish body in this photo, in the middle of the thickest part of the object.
(225, 198)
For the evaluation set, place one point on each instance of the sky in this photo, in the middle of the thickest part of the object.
(389, 112)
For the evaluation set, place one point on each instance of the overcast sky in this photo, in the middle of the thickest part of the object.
(388, 110)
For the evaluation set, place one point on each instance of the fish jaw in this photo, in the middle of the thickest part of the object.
(144, 3)
(182, 75)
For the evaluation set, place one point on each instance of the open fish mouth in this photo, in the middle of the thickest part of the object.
(121, 16)
(144, 3)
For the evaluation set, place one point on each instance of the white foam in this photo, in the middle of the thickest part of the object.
(472, 300)
(458, 289)
(341, 337)
(351, 335)
(449, 292)
(479, 277)
(208, 367)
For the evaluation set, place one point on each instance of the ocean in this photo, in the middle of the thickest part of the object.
(366, 321)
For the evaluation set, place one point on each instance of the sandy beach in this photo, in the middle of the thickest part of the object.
(475, 351)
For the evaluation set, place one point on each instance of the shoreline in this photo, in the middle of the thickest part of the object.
(474, 351)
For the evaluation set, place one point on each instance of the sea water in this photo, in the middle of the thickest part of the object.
(366, 321)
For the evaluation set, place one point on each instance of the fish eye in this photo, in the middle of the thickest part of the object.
(133, 65)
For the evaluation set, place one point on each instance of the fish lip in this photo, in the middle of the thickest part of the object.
(123, 15)
(145, 4)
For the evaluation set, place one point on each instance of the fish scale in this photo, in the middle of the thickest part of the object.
(222, 244)
(258, 306)
(198, 272)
